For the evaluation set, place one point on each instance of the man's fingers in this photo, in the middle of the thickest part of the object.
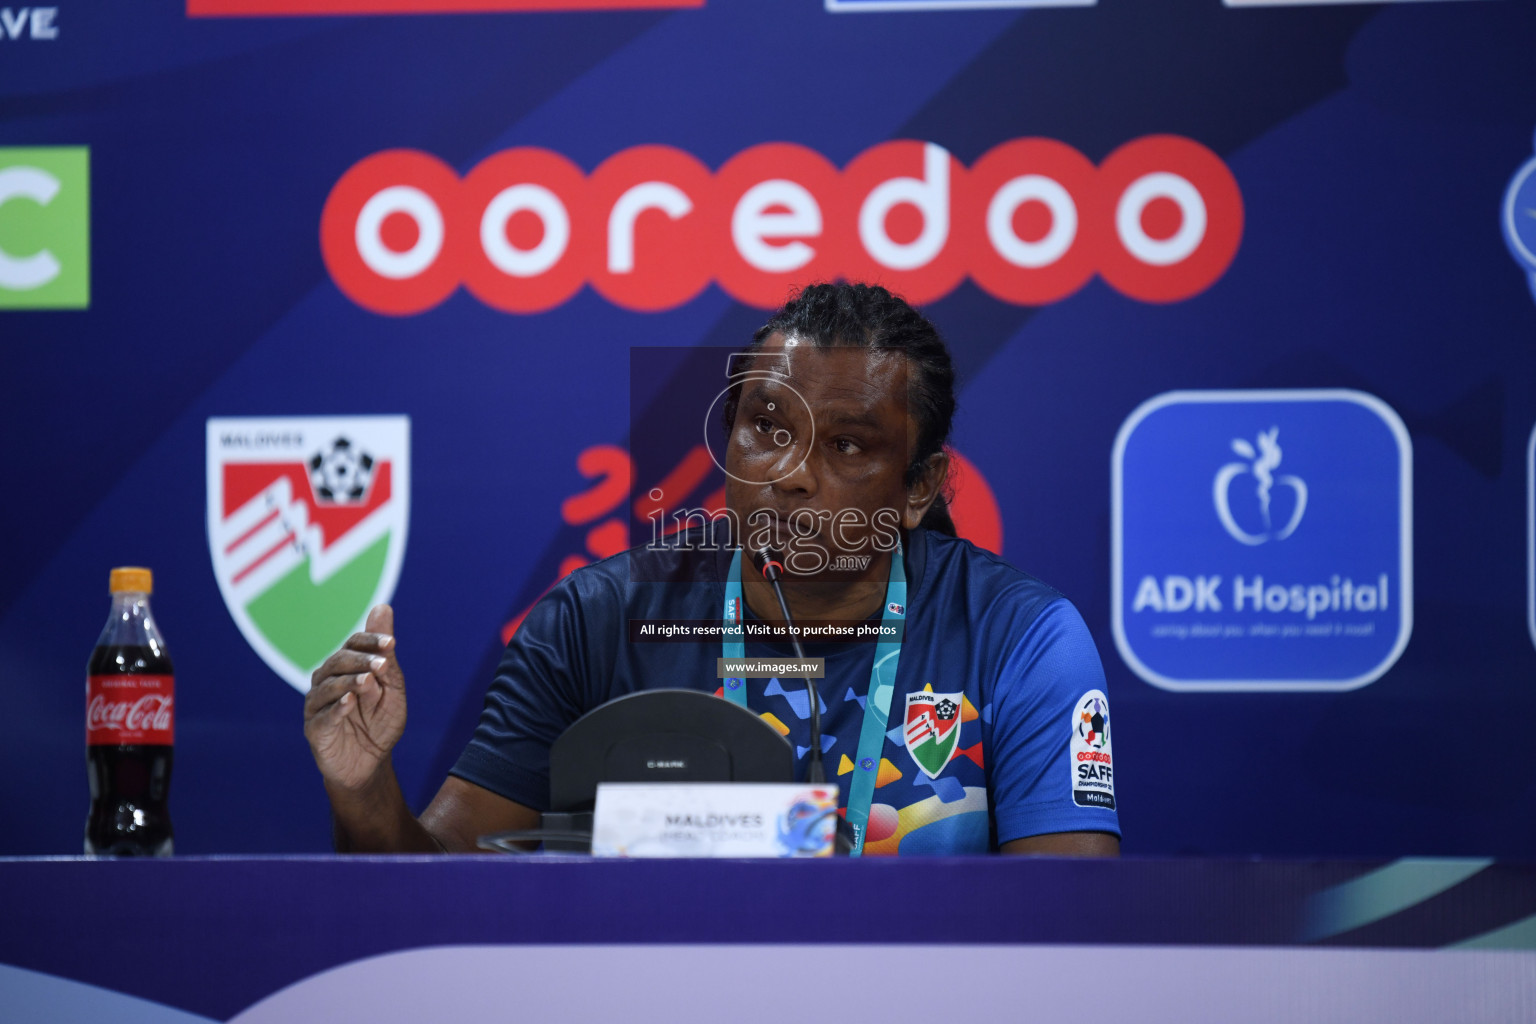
(368, 642)
(328, 692)
(381, 619)
(346, 662)
(369, 692)
(381, 624)
(327, 717)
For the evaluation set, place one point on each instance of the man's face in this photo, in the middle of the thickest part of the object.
(817, 454)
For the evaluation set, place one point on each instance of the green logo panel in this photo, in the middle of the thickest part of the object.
(45, 227)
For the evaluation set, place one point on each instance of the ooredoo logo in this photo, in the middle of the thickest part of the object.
(1030, 222)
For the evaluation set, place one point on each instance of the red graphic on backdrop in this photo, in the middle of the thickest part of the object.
(244, 480)
(262, 8)
(973, 508)
(614, 471)
(1160, 220)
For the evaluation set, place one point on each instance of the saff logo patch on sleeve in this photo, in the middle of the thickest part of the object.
(1093, 773)
(45, 227)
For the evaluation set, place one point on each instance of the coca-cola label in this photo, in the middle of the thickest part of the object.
(130, 709)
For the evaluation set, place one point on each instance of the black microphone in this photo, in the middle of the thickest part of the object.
(768, 563)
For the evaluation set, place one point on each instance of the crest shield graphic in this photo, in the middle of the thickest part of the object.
(932, 729)
(306, 525)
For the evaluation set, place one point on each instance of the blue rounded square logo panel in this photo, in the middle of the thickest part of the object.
(1262, 540)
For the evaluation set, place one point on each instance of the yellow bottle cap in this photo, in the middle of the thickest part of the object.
(132, 578)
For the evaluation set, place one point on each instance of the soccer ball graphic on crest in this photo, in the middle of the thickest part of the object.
(341, 473)
(1093, 723)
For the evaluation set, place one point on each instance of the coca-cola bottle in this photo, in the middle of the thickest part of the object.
(130, 695)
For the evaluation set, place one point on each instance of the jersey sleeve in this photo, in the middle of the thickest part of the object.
(543, 684)
(1052, 764)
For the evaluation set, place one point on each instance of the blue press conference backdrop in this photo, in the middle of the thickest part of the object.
(1237, 293)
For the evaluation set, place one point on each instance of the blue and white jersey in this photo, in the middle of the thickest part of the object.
(999, 725)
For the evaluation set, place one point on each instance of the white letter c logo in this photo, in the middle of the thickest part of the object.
(23, 273)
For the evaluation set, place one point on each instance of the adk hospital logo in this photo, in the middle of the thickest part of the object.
(1261, 466)
(306, 524)
(1262, 540)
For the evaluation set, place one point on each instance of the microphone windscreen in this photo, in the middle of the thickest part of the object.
(768, 563)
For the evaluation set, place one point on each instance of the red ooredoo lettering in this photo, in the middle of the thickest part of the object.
(1031, 222)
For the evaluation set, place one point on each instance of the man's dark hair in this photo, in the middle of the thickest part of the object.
(868, 316)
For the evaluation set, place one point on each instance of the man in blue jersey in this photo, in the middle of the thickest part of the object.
(991, 725)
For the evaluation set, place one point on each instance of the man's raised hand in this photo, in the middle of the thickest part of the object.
(355, 711)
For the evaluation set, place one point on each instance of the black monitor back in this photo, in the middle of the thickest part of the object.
(664, 736)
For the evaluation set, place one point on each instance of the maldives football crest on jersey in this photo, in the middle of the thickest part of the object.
(306, 525)
(932, 729)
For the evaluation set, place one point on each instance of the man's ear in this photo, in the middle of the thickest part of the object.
(925, 490)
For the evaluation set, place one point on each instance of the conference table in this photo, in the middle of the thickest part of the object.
(551, 937)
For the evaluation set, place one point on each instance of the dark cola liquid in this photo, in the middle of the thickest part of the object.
(130, 784)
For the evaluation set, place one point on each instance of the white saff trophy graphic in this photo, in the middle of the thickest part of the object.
(307, 521)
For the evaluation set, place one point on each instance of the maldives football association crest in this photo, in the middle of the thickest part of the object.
(306, 524)
(932, 729)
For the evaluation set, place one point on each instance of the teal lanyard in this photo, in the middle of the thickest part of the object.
(877, 702)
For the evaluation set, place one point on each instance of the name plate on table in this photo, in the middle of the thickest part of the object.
(713, 819)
